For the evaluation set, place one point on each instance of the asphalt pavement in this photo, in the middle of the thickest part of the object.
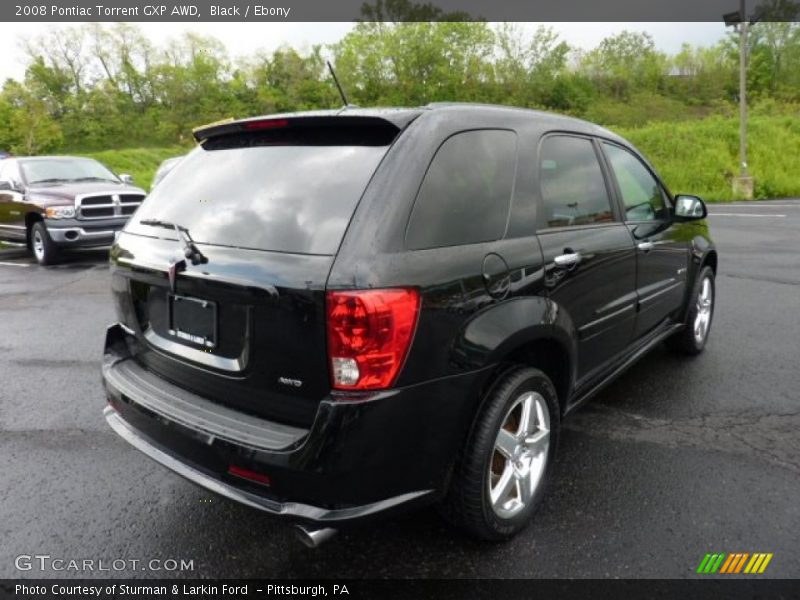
(677, 458)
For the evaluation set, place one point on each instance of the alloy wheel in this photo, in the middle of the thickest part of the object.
(705, 303)
(38, 245)
(520, 455)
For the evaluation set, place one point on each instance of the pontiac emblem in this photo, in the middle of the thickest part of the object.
(175, 267)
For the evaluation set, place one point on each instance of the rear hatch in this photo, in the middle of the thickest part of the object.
(264, 205)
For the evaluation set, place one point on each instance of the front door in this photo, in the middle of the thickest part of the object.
(662, 258)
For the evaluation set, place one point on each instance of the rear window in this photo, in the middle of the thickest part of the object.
(466, 194)
(267, 192)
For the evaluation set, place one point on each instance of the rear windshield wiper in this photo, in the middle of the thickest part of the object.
(190, 250)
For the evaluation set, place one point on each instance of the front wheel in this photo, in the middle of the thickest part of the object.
(500, 477)
(44, 249)
(692, 338)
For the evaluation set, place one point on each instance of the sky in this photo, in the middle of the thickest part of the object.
(245, 38)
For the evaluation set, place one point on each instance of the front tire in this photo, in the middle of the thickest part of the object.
(501, 474)
(44, 249)
(691, 340)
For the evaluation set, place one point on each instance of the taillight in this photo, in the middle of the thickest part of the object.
(266, 124)
(369, 333)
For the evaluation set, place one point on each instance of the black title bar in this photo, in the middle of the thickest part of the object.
(377, 10)
(732, 588)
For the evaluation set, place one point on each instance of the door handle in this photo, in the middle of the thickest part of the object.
(645, 246)
(567, 260)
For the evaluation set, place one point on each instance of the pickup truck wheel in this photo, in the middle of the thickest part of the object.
(502, 471)
(692, 338)
(44, 250)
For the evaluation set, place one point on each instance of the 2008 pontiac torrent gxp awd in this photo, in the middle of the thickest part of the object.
(334, 315)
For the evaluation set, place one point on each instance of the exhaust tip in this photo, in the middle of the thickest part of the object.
(313, 538)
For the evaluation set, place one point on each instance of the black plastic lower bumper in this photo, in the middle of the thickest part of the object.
(361, 457)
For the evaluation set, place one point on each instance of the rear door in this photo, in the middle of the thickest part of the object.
(267, 209)
(590, 263)
(662, 258)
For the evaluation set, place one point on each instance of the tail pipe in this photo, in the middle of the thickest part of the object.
(313, 538)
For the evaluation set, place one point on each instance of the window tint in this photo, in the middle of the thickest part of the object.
(466, 193)
(572, 184)
(288, 198)
(640, 191)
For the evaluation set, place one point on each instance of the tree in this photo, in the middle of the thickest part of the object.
(528, 68)
(626, 61)
(28, 127)
(415, 63)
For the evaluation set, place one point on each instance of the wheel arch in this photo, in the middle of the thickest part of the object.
(30, 219)
(710, 259)
(530, 331)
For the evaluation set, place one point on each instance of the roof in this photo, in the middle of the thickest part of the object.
(400, 117)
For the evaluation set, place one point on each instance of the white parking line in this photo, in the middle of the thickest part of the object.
(10, 264)
(762, 204)
(716, 214)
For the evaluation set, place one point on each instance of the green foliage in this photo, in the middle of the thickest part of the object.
(641, 108)
(700, 157)
(414, 63)
(140, 163)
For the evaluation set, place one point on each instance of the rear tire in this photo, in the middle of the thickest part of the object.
(691, 340)
(502, 471)
(44, 249)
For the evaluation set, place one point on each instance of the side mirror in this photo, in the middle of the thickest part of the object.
(689, 208)
(125, 178)
(5, 186)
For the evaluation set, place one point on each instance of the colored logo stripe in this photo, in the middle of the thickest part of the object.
(734, 563)
(710, 563)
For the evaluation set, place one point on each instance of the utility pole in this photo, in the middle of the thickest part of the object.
(743, 90)
(743, 184)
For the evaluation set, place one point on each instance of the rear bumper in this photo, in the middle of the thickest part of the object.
(361, 457)
(79, 234)
(288, 509)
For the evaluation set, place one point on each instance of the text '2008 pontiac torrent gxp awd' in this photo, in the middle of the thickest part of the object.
(334, 315)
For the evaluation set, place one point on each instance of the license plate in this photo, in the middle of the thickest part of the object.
(193, 320)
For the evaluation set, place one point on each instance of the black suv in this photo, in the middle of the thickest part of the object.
(332, 315)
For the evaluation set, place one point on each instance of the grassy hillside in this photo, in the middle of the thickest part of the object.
(700, 157)
(694, 157)
(141, 163)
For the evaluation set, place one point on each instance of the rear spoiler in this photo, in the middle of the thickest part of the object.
(392, 125)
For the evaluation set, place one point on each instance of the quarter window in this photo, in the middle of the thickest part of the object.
(466, 193)
(572, 186)
(641, 193)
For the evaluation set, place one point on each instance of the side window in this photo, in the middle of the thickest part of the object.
(572, 185)
(466, 194)
(641, 193)
(9, 171)
(4, 170)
